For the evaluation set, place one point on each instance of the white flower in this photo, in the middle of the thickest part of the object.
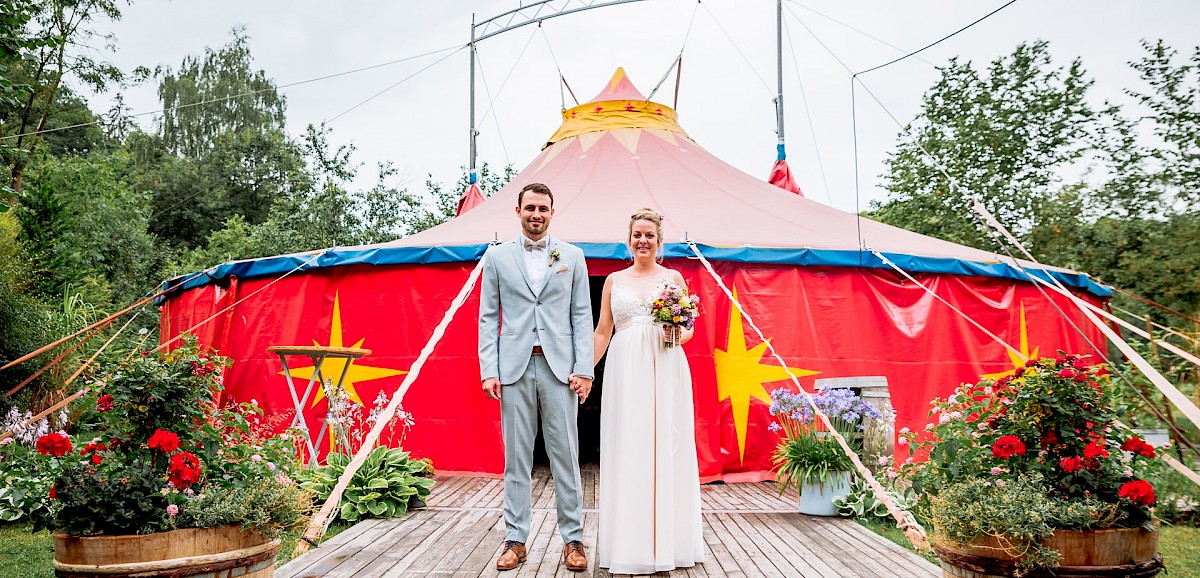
(903, 430)
(902, 441)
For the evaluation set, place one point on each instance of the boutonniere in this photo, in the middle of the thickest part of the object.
(554, 255)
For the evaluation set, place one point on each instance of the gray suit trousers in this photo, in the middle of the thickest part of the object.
(538, 391)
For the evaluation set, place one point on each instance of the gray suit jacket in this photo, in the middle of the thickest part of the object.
(512, 310)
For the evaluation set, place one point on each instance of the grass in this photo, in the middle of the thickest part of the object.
(888, 529)
(24, 554)
(1179, 545)
(1180, 548)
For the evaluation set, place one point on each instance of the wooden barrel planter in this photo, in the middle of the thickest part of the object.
(1124, 552)
(208, 552)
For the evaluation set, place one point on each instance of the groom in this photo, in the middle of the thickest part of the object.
(535, 357)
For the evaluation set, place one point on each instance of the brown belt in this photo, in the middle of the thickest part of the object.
(537, 350)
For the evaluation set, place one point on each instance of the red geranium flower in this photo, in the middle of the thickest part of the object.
(1007, 447)
(1095, 450)
(54, 444)
(1067, 373)
(1138, 445)
(54, 492)
(1072, 464)
(1049, 438)
(105, 403)
(1138, 491)
(184, 470)
(164, 441)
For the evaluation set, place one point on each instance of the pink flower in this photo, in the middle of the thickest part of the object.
(172, 510)
(1001, 483)
(996, 471)
(256, 458)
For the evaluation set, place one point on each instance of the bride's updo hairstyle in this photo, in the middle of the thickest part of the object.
(646, 214)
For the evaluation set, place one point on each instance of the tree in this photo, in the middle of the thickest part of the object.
(40, 59)
(214, 95)
(441, 203)
(87, 229)
(1002, 137)
(220, 150)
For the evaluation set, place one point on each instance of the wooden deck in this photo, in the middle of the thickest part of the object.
(750, 531)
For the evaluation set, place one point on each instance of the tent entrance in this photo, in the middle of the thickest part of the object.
(589, 412)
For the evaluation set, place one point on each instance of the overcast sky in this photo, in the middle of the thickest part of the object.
(725, 99)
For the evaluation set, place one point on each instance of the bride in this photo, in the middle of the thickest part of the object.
(649, 480)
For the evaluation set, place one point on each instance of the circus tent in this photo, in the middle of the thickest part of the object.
(805, 273)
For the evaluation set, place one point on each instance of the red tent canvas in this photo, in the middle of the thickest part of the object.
(833, 310)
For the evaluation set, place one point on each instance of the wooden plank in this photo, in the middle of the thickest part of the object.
(540, 529)
(445, 491)
(819, 538)
(753, 558)
(783, 556)
(320, 560)
(461, 493)
(895, 556)
(724, 560)
(472, 529)
(400, 555)
(879, 562)
(295, 566)
(399, 543)
(826, 564)
(482, 558)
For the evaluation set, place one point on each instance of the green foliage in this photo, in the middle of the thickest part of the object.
(25, 492)
(1033, 452)
(1019, 512)
(1000, 135)
(1007, 135)
(163, 455)
(266, 505)
(383, 487)
(88, 228)
(238, 99)
(108, 500)
(809, 460)
(861, 502)
(1178, 499)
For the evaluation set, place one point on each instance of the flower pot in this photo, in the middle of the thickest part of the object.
(220, 551)
(1125, 552)
(817, 499)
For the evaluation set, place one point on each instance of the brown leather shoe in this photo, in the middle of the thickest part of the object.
(574, 557)
(513, 554)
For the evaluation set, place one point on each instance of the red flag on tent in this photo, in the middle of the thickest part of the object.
(781, 176)
(470, 199)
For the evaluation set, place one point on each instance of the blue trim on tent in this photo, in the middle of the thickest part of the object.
(277, 266)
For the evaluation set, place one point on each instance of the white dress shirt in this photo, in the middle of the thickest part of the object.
(537, 255)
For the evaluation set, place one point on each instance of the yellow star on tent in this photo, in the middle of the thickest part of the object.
(740, 375)
(1016, 359)
(332, 368)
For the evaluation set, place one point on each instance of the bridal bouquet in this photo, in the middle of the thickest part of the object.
(673, 307)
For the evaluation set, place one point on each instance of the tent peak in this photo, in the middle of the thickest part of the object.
(619, 88)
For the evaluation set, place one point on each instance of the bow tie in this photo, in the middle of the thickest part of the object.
(531, 245)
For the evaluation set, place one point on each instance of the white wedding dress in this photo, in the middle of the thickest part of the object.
(649, 480)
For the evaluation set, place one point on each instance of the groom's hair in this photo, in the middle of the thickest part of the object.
(538, 188)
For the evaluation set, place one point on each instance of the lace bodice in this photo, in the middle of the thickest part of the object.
(631, 300)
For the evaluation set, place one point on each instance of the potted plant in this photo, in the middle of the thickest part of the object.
(159, 479)
(807, 458)
(1033, 472)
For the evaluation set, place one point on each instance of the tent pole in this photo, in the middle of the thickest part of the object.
(471, 173)
(779, 74)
